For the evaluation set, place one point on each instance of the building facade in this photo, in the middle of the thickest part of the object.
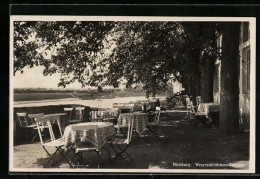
(244, 73)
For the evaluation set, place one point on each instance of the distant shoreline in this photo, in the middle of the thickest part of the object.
(39, 96)
(103, 103)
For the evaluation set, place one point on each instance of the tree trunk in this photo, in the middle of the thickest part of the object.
(206, 80)
(229, 93)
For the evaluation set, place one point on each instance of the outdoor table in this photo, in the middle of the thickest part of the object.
(125, 109)
(58, 116)
(116, 105)
(113, 111)
(107, 114)
(96, 133)
(145, 105)
(211, 110)
(206, 108)
(140, 121)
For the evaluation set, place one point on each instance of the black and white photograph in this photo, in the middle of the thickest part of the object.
(132, 94)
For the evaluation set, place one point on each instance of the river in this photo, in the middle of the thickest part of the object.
(100, 103)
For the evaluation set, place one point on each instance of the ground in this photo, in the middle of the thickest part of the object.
(182, 146)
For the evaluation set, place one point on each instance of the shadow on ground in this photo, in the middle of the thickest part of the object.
(182, 146)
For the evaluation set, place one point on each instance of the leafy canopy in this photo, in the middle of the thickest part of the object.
(103, 53)
(72, 49)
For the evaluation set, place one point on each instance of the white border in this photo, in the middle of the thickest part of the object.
(252, 21)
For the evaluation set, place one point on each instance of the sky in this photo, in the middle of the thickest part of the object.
(34, 78)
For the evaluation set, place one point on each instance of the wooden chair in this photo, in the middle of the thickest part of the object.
(29, 123)
(152, 126)
(109, 115)
(200, 117)
(24, 122)
(52, 141)
(125, 109)
(80, 148)
(93, 114)
(69, 113)
(189, 106)
(100, 114)
(198, 100)
(79, 115)
(192, 110)
(85, 146)
(120, 144)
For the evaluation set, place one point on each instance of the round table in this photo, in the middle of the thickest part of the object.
(208, 107)
(140, 121)
(95, 133)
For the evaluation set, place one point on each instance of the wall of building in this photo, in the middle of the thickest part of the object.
(217, 74)
(244, 89)
(244, 84)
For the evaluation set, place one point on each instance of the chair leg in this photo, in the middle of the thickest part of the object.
(58, 149)
(152, 131)
(64, 156)
(99, 159)
(51, 156)
(123, 132)
(120, 154)
(79, 159)
(34, 138)
(108, 153)
(122, 150)
(116, 152)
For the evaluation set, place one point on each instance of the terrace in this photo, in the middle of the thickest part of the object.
(181, 146)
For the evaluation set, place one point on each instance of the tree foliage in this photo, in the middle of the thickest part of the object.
(146, 53)
(104, 53)
(72, 48)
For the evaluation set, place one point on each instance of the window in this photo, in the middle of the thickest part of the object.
(216, 78)
(245, 31)
(248, 69)
(219, 45)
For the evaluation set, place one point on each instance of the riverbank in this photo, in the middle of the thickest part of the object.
(101, 103)
(84, 95)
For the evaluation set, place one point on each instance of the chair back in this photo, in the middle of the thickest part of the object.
(192, 107)
(187, 102)
(108, 113)
(69, 111)
(127, 109)
(33, 117)
(130, 130)
(198, 100)
(43, 122)
(79, 113)
(93, 114)
(157, 114)
(189, 105)
(101, 113)
(46, 122)
(22, 119)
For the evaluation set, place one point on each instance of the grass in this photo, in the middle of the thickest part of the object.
(40, 96)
